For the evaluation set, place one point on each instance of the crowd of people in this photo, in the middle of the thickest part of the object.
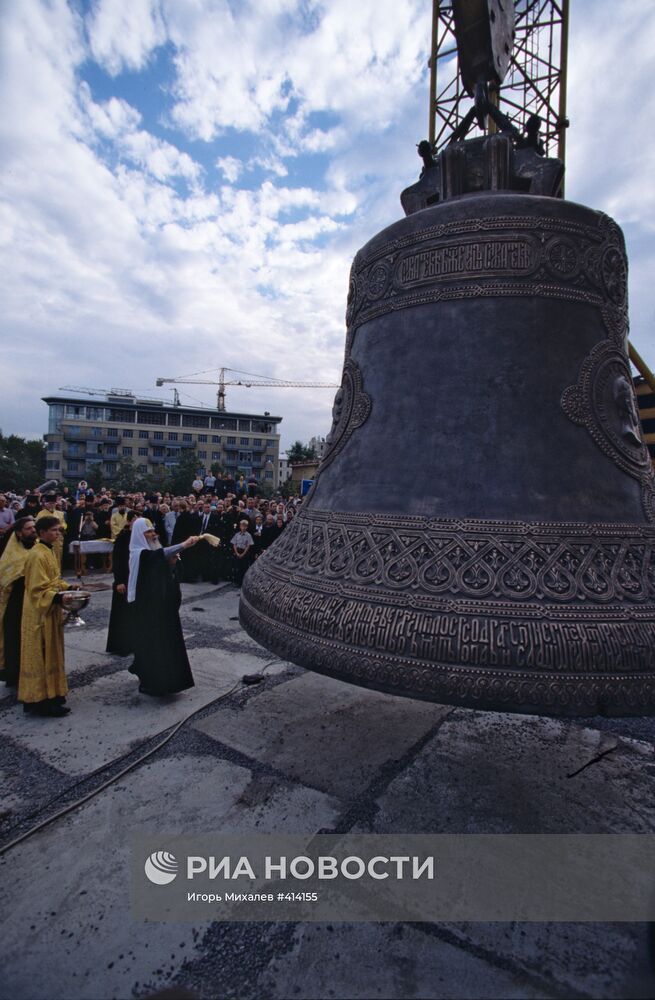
(154, 539)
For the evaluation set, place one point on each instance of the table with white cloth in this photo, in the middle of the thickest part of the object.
(80, 550)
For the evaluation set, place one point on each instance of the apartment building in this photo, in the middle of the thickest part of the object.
(105, 428)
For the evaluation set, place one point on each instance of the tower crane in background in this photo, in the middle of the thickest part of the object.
(245, 379)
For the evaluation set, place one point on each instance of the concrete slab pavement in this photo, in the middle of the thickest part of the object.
(326, 734)
(299, 753)
(71, 933)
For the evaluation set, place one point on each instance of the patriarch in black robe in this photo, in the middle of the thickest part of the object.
(160, 657)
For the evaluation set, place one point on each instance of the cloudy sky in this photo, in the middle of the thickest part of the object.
(184, 183)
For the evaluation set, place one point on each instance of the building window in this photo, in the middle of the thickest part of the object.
(231, 440)
(128, 433)
(172, 435)
(173, 419)
(143, 451)
(216, 455)
(112, 432)
(111, 449)
(143, 468)
(53, 445)
(269, 475)
(172, 453)
(96, 432)
(158, 451)
(158, 435)
(245, 456)
(187, 437)
(55, 413)
(188, 420)
(52, 463)
(95, 413)
(216, 439)
(143, 434)
(202, 454)
(202, 438)
(244, 425)
(245, 441)
(122, 416)
(73, 466)
(127, 452)
(74, 411)
(110, 467)
(256, 442)
(150, 417)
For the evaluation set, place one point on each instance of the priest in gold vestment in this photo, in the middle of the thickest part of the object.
(42, 685)
(50, 510)
(12, 589)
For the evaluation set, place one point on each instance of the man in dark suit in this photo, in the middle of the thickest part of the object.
(210, 524)
(188, 524)
(154, 515)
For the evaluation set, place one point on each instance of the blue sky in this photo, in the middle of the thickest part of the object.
(185, 182)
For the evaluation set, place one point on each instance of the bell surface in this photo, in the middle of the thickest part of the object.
(480, 531)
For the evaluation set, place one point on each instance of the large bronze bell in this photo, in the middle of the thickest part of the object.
(480, 531)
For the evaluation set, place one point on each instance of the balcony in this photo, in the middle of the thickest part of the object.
(157, 459)
(98, 456)
(83, 434)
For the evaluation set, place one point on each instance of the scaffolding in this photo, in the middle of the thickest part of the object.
(535, 82)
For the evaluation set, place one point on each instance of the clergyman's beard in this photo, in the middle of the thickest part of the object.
(154, 544)
(28, 543)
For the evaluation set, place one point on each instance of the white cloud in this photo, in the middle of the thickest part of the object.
(230, 167)
(123, 33)
(237, 66)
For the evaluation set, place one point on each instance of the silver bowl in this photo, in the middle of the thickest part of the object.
(72, 601)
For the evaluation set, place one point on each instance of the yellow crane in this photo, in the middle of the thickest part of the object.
(245, 379)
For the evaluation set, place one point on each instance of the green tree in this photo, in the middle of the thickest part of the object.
(126, 474)
(288, 488)
(159, 479)
(184, 473)
(95, 477)
(299, 452)
(22, 463)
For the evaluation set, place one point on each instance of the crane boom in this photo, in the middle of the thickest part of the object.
(247, 381)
